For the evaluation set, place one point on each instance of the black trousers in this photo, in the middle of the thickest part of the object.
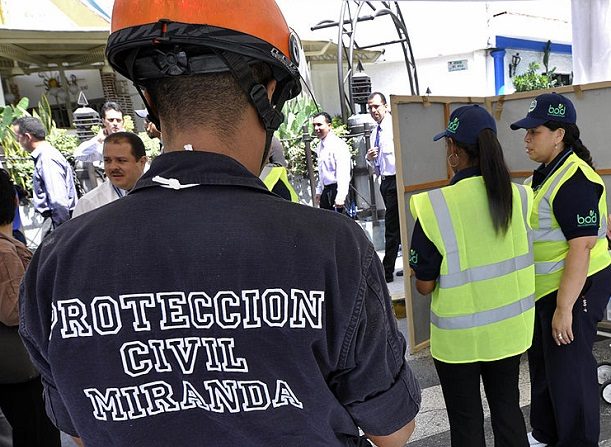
(327, 198)
(461, 392)
(24, 408)
(565, 402)
(392, 234)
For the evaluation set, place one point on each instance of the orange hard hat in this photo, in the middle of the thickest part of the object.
(153, 39)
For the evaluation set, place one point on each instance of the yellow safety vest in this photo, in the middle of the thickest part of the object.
(551, 246)
(482, 306)
(273, 174)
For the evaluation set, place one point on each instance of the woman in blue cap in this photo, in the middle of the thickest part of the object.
(573, 276)
(472, 249)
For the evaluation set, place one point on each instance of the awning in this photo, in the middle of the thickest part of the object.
(322, 51)
(31, 51)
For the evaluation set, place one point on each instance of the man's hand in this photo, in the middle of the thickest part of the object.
(372, 153)
(317, 199)
(101, 136)
(396, 439)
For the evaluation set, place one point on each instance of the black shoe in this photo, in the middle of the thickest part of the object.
(389, 278)
(400, 273)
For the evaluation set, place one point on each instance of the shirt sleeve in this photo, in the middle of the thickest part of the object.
(90, 150)
(424, 257)
(11, 272)
(84, 205)
(53, 175)
(35, 317)
(342, 172)
(319, 185)
(578, 218)
(374, 383)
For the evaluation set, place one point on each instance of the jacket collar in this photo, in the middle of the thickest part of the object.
(186, 169)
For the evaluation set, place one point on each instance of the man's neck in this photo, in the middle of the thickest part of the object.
(37, 144)
(7, 229)
(245, 145)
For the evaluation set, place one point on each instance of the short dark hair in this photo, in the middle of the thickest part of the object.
(33, 126)
(374, 94)
(110, 105)
(138, 149)
(215, 99)
(328, 118)
(7, 198)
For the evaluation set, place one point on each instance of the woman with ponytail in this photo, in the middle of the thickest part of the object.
(471, 248)
(573, 276)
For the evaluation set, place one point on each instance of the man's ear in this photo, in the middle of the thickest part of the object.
(149, 103)
(271, 87)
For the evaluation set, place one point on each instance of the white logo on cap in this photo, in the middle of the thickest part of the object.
(533, 105)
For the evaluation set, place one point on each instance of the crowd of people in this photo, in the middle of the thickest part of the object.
(224, 316)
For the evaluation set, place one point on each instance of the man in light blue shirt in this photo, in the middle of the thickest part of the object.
(54, 195)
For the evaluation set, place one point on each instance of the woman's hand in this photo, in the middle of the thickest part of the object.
(562, 326)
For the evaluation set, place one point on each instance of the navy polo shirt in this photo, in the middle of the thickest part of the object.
(576, 198)
(202, 309)
(424, 257)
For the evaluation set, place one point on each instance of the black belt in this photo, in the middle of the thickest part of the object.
(384, 177)
(331, 185)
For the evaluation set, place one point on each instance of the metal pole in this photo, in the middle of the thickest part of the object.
(367, 128)
(307, 140)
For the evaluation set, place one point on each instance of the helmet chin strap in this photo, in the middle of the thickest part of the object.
(271, 117)
(152, 117)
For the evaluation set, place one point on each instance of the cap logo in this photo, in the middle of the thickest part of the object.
(533, 105)
(559, 111)
(453, 125)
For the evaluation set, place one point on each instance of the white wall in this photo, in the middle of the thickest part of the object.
(32, 85)
(562, 62)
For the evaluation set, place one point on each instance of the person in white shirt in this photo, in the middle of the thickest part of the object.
(112, 119)
(124, 162)
(334, 161)
(382, 157)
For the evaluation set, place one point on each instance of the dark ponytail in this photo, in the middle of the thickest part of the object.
(571, 139)
(496, 176)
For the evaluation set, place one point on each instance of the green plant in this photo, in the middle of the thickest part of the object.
(17, 162)
(151, 145)
(297, 114)
(531, 80)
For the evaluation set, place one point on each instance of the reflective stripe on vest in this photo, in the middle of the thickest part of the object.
(455, 277)
(270, 175)
(549, 236)
(474, 309)
(485, 317)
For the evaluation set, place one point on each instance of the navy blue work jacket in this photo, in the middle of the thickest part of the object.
(202, 309)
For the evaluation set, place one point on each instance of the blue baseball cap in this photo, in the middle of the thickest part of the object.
(547, 107)
(466, 123)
